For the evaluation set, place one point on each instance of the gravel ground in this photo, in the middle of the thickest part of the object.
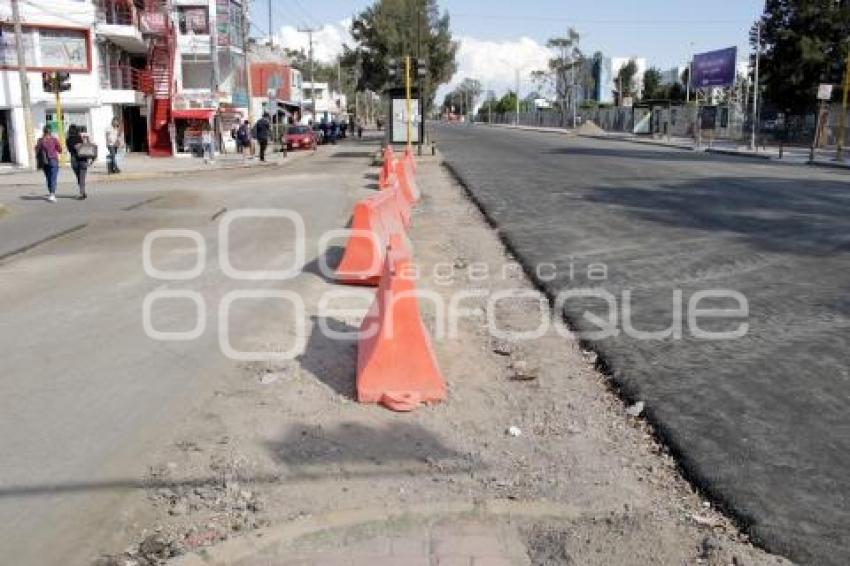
(525, 421)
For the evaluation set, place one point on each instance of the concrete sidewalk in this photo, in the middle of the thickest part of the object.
(790, 155)
(138, 166)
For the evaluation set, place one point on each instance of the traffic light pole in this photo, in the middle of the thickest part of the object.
(839, 151)
(409, 101)
(60, 120)
(25, 86)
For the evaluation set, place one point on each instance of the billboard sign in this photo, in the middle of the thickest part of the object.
(714, 69)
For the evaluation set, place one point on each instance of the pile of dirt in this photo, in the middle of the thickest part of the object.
(590, 128)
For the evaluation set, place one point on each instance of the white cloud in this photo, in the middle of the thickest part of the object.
(494, 63)
(327, 41)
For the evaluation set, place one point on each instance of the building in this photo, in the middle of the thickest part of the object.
(57, 36)
(119, 57)
(330, 105)
(275, 85)
(673, 75)
(210, 70)
(606, 72)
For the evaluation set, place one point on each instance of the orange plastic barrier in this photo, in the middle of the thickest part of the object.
(396, 366)
(408, 155)
(406, 181)
(386, 168)
(374, 221)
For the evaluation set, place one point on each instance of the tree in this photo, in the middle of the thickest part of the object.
(652, 88)
(463, 97)
(565, 67)
(804, 43)
(626, 78)
(398, 28)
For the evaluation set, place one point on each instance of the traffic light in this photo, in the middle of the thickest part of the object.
(396, 68)
(48, 82)
(55, 82)
(63, 81)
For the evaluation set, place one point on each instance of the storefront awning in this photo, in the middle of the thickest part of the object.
(193, 113)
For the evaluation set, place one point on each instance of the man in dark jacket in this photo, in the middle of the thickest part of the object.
(263, 130)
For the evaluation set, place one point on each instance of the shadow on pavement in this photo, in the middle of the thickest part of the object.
(778, 215)
(358, 450)
(332, 360)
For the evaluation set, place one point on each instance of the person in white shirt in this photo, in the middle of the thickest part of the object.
(113, 143)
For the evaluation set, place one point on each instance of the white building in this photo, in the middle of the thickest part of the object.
(57, 35)
(330, 105)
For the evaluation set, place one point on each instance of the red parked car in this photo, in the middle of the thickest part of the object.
(298, 137)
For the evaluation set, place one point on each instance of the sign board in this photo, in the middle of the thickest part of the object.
(825, 92)
(54, 49)
(399, 125)
(714, 69)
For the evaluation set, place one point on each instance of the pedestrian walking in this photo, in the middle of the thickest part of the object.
(82, 153)
(262, 129)
(113, 144)
(243, 139)
(207, 143)
(47, 152)
(359, 127)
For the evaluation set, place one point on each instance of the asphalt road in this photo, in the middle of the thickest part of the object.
(762, 422)
(86, 395)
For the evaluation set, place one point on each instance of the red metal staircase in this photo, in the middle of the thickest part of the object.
(156, 23)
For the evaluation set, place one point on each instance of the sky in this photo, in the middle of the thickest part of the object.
(499, 37)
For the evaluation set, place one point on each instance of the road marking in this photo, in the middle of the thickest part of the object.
(141, 203)
(50, 238)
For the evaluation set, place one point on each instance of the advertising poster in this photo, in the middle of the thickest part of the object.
(715, 68)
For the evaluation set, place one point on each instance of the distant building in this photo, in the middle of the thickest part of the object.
(275, 83)
(606, 71)
(330, 105)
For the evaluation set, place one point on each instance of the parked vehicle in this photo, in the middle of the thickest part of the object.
(300, 137)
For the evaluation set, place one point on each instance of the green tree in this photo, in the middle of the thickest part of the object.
(652, 88)
(626, 78)
(464, 96)
(804, 43)
(398, 28)
(565, 69)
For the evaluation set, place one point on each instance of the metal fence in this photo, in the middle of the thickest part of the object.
(732, 122)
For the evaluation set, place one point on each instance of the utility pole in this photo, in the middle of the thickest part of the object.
(25, 86)
(247, 62)
(516, 121)
(839, 152)
(309, 32)
(409, 101)
(419, 73)
(756, 88)
(271, 26)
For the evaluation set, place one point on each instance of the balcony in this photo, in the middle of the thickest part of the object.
(122, 84)
(118, 21)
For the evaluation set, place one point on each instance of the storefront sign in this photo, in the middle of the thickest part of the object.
(53, 49)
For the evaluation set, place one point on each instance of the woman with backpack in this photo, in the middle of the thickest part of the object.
(82, 153)
(47, 152)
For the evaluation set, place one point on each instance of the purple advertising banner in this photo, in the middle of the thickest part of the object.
(715, 68)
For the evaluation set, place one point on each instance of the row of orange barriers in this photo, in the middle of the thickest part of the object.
(396, 366)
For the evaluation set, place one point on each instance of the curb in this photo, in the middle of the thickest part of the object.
(104, 178)
(560, 132)
(745, 155)
(247, 546)
(638, 141)
(828, 165)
